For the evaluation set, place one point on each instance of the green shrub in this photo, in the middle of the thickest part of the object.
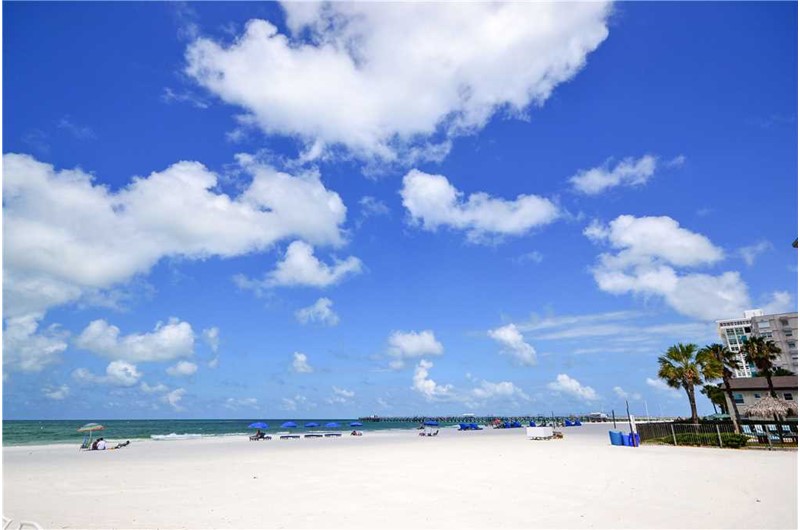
(729, 439)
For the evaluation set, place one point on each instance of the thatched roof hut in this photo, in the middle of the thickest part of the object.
(768, 407)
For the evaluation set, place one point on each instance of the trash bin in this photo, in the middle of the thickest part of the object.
(616, 437)
(630, 439)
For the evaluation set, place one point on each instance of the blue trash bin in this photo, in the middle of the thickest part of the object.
(630, 439)
(616, 437)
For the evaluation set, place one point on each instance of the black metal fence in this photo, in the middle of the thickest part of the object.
(721, 434)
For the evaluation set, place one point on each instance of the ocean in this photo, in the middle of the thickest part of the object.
(39, 432)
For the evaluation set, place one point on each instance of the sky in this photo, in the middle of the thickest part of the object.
(333, 210)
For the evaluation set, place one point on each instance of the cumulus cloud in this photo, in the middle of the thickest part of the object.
(514, 344)
(342, 75)
(211, 337)
(648, 252)
(292, 403)
(622, 394)
(750, 253)
(628, 172)
(504, 389)
(57, 393)
(300, 267)
(340, 396)
(320, 311)
(372, 207)
(167, 342)
(566, 385)
(182, 369)
(661, 386)
(66, 236)
(300, 364)
(118, 373)
(174, 398)
(159, 388)
(241, 403)
(433, 202)
(407, 345)
(426, 386)
(26, 348)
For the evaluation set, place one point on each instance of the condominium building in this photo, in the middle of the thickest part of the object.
(779, 328)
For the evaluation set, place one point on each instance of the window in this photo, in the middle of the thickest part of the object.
(791, 344)
(784, 322)
(787, 332)
(738, 399)
(767, 335)
(788, 396)
(756, 395)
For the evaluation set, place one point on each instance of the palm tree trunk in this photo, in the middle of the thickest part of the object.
(769, 384)
(692, 403)
(735, 416)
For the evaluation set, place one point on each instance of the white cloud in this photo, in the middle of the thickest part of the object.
(241, 403)
(530, 257)
(211, 337)
(66, 236)
(300, 364)
(372, 207)
(506, 389)
(57, 393)
(751, 252)
(340, 396)
(779, 302)
(566, 385)
(300, 267)
(320, 311)
(118, 373)
(429, 389)
(344, 73)
(514, 344)
(173, 399)
(182, 369)
(154, 389)
(167, 342)
(407, 345)
(661, 386)
(648, 251)
(628, 172)
(620, 392)
(292, 403)
(433, 202)
(27, 349)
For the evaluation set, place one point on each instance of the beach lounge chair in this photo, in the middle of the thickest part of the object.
(313, 436)
(332, 434)
(290, 437)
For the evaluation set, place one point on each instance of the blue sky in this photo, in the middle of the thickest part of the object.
(256, 210)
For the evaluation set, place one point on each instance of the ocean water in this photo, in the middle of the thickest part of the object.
(37, 432)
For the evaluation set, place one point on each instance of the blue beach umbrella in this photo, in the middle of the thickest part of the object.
(356, 424)
(289, 425)
(432, 423)
(332, 425)
(312, 424)
(258, 425)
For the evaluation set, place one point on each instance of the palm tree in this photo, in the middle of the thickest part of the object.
(721, 363)
(682, 367)
(716, 396)
(762, 353)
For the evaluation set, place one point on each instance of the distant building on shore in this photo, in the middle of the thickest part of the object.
(746, 391)
(780, 328)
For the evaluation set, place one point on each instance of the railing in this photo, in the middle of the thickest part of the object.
(721, 434)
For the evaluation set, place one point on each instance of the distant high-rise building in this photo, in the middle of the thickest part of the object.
(780, 328)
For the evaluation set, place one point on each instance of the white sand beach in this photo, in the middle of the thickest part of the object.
(398, 480)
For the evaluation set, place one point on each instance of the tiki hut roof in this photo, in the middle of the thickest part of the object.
(769, 406)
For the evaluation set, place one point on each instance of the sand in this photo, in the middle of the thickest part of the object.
(399, 480)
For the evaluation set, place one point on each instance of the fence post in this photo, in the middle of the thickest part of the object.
(719, 436)
(674, 440)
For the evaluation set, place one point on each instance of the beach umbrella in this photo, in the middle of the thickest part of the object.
(431, 423)
(289, 425)
(258, 425)
(90, 428)
(312, 424)
(767, 407)
(332, 425)
(356, 424)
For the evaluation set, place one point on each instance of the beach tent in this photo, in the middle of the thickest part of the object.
(89, 428)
